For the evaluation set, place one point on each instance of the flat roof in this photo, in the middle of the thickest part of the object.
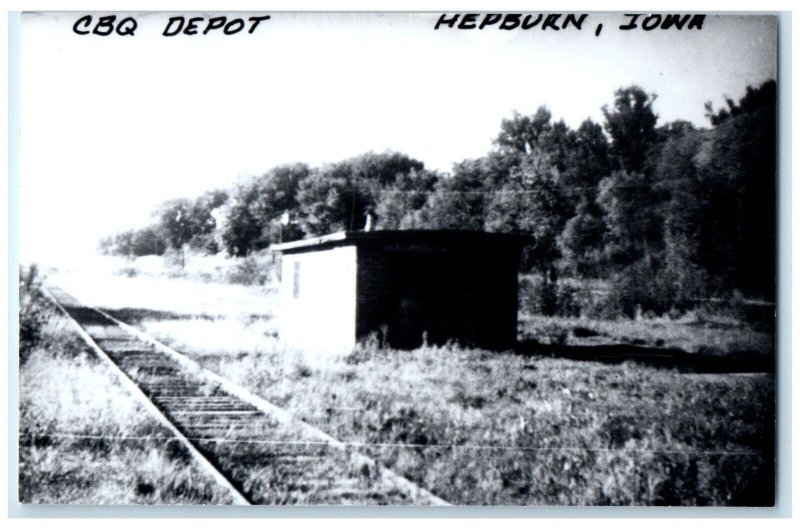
(436, 237)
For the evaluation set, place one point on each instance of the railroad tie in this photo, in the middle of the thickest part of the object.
(258, 451)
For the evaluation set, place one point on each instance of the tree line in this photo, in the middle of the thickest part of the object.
(668, 213)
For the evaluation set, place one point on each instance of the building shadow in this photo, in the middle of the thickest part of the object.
(738, 362)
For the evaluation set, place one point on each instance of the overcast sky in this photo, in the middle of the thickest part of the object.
(112, 126)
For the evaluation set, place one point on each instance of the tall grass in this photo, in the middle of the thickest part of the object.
(34, 312)
(484, 428)
(84, 440)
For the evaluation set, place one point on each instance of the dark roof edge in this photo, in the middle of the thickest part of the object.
(346, 238)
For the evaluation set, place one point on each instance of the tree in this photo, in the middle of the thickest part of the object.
(337, 196)
(586, 164)
(277, 196)
(554, 151)
(204, 223)
(633, 222)
(110, 245)
(582, 242)
(399, 204)
(527, 140)
(175, 222)
(147, 241)
(277, 190)
(652, 221)
(383, 168)
(531, 203)
(458, 201)
(676, 178)
(631, 124)
(520, 134)
(334, 199)
(737, 174)
(754, 99)
(251, 219)
(239, 229)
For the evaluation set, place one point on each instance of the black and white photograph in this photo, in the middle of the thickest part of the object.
(397, 258)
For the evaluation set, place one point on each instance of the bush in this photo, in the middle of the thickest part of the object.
(538, 296)
(34, 312)
(135, 243)
(128, 271)
(548, 298)
(175, 262)
(648, 288)
(568, 301)
(602, 307)
(251, 270)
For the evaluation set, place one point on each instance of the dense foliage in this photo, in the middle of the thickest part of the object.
(669, 213)
(34, 311)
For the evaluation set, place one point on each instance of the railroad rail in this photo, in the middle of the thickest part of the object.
(258, 451)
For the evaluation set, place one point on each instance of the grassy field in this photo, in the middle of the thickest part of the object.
(84, 440)
(486, 428)
(514, 430)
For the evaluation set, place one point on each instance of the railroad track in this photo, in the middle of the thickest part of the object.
(258, 451)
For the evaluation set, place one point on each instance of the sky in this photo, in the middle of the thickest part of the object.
(112, 126)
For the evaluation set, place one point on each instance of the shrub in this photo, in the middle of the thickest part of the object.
(567, 302)
(756, 315)
(175, 262)
(538, 296)
(135, 243)
(34, 311)
(601, 307)
(646, 287)
(549, 298)
(128, 271)
(250, 270)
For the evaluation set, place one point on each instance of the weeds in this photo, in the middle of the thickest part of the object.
(34, 311)
(84, 440)
(510, 430)
(251, 270)
(481, 428)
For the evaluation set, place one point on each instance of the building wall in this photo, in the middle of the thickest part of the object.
(452, 292)
(374, 291)
(318, 300)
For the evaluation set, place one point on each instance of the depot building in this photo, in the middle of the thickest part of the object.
(404, 288)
